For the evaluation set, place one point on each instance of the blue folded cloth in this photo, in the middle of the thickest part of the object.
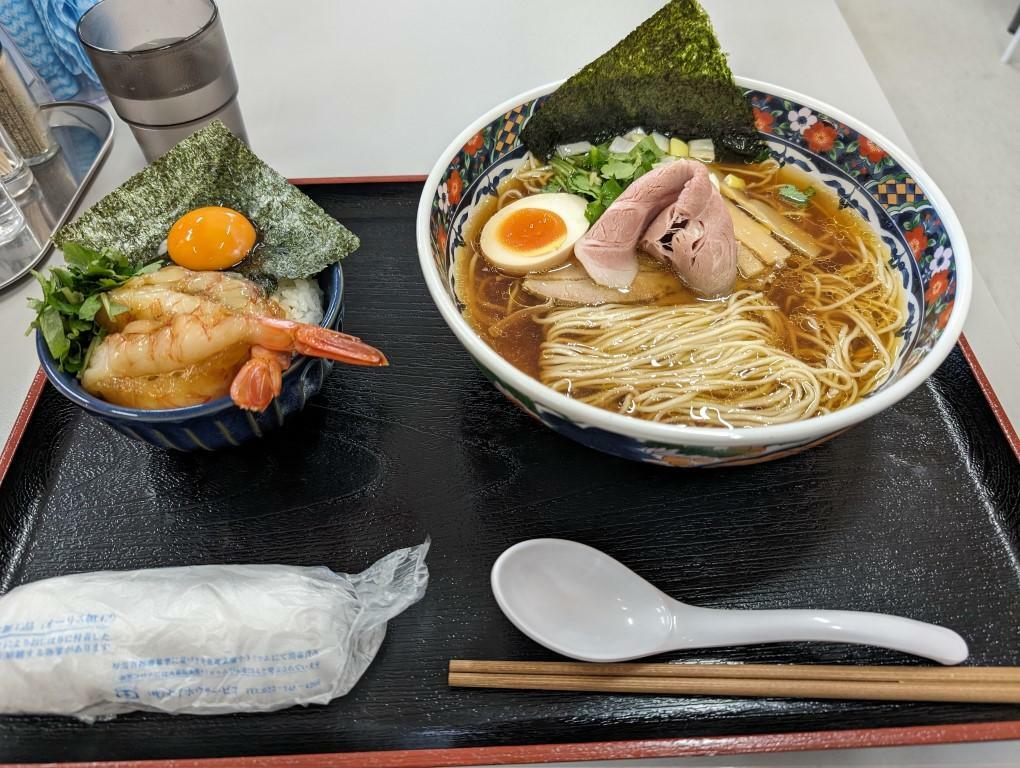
(44, 31)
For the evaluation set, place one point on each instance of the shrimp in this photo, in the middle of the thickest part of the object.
(190, 385)
(186, 337)
(260, 379)
(178, 291)
(181, 346)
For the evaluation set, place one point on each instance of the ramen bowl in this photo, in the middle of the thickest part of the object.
(894, 196)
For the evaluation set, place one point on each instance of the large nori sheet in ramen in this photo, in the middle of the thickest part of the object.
(915, 512)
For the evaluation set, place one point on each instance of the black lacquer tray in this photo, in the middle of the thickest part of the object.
(916, 512)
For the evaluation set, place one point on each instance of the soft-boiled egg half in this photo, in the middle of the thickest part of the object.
(210, 238)
(534, 233)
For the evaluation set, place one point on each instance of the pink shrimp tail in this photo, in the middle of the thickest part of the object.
(322, 342)
(259, 380)
(316, 341)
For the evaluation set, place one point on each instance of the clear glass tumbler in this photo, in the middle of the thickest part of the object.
(15, 174)
(12, 221)
(165, 65)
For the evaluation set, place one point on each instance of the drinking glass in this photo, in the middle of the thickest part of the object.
(12, 221)
(166, 67)
(15, 174)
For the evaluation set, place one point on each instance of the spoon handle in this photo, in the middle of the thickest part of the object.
(710, 628)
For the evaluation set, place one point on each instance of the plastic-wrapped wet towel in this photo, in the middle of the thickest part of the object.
(200, 640)
(45, 33)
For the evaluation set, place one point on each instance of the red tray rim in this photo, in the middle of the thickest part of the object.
(698, 746)
(553, 753)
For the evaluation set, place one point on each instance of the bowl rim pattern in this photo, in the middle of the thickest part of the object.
(69, 387)
(666, 434)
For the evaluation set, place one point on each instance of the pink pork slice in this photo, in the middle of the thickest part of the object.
(675, 214)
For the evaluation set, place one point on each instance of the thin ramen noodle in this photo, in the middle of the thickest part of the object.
(808, 336)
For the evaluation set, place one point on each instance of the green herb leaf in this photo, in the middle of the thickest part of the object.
(91, 348)
(112, 308)
(647, 145)
(89, 307)
(77, 255)
(71, 300)
(611, 189)
(763, 154)
(593, 210)
(794, 196)
(609, 175)
(579, 183)
(617, 169)
(52, 327)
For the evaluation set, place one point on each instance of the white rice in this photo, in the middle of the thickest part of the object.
(301, 299)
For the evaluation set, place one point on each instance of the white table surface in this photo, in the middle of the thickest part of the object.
(357, 103)
(339, 89)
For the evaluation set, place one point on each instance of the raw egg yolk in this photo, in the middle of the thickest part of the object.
(210, 238)
(532, 229)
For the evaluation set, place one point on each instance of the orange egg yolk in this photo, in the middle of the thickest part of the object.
(532, 229)
(210, 238)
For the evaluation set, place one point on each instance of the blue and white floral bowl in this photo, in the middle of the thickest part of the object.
(219, 423)
(865, 170)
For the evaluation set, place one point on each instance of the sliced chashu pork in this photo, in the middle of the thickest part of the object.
(572, 285)
(674, 213)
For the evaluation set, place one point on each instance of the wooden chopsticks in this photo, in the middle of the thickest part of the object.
(995, 685)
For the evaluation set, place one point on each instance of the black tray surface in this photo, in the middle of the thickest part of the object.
(916, 512)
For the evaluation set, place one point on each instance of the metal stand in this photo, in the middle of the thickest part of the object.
(84, 133)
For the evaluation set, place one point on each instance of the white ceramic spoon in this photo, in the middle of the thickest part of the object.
(581, 603)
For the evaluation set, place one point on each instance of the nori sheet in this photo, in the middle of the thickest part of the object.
(213, 167)
(668, 75)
